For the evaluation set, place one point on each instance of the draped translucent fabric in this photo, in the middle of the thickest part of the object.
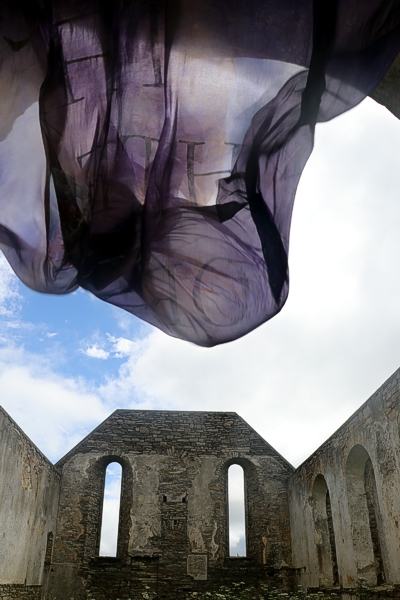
(150, 150)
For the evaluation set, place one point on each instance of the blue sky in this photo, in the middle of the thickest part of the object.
(67, 362)
(81, 328)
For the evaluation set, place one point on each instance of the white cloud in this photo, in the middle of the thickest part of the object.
(121, 347)
(109, 527)
(96, 352)
(51, 334)
(55, 412)
(109, 346)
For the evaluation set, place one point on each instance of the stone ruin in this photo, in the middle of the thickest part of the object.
(323, 525)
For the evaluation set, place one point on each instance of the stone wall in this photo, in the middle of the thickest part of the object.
(173, 533)
(20, 592)
(359, 466)
(327, 524)
(29, 486)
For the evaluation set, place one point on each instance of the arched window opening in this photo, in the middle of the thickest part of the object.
(324, 534)
(363, 508)
(236, 511)
(111, 506)
(372, 503)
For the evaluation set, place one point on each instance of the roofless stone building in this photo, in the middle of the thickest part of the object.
(327, 523)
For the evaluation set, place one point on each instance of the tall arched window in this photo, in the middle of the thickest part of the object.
(111, 509)
(363, 508)
(236, 511)
(324, 534)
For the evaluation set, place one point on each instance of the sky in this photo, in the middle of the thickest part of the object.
(66, 363)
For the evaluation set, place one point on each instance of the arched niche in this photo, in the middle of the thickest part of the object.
(324, 534)
(364, 511)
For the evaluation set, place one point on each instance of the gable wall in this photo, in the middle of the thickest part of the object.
(158, 431)
(174, 507)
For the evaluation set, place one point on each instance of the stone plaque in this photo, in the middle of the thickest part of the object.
(197, 566)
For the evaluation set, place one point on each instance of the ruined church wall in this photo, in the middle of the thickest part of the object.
(362, 532)
(174, 511)
(29, 486)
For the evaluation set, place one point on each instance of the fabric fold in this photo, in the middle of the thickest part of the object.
(150, 150)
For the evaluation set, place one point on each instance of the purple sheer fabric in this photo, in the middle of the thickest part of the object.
(150, 150)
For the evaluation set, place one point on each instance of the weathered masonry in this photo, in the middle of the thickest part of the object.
(173, 534)
(326, 524)
(29, 488)
(345, 499)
